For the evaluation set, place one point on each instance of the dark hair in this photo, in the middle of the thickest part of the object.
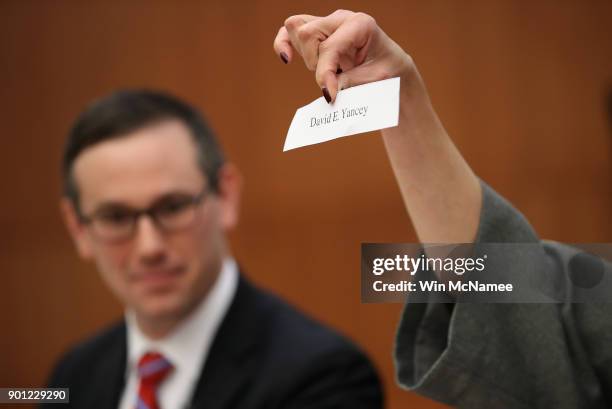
(126, 111)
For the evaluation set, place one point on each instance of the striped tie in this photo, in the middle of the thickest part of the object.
(152, 369)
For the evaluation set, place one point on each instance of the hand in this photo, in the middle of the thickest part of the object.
(440, 191)
(344, 49)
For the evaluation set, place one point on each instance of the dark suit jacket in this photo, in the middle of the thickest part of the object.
(265, 355)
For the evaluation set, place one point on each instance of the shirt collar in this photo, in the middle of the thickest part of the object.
(187, 346)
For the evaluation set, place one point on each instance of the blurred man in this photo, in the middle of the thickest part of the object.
(149, 198)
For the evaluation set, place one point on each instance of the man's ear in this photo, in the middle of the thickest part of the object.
(75, 228)
(230, 188)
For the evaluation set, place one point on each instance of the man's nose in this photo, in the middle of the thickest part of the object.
(150, 241)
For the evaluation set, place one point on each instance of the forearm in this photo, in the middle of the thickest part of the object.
(441, 193)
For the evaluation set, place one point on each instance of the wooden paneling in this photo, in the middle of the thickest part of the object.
(520, 85)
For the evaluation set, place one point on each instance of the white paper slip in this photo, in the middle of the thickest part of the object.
(359, 109)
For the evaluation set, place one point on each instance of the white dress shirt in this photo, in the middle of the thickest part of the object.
(186, 347)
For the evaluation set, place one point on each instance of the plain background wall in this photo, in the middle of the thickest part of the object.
(519, 85)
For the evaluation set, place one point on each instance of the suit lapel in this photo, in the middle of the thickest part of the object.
(231, 361)
(108, 378)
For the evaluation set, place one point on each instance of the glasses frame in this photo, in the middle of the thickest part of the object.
(150, 211)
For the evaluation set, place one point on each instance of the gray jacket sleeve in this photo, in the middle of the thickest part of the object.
(555, 355)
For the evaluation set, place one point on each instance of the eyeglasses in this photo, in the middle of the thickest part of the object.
(116, 223)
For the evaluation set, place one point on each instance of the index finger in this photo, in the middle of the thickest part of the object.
(350, 41)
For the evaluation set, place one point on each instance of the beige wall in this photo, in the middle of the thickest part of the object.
(520, 86)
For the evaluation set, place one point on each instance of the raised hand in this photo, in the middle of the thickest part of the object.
(441, 193)
(344, 49)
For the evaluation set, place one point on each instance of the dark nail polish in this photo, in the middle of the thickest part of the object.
(326, 95)
(284, 57)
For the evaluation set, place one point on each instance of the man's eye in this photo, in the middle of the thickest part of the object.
(174, 207)
(115, 217)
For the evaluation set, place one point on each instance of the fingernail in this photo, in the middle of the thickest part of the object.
(326, 94)
(284, 57)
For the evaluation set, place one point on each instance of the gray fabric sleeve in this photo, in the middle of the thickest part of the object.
(507, 355)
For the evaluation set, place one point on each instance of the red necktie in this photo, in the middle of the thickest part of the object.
(152, 369)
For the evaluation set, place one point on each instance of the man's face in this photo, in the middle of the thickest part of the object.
(159, 274)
